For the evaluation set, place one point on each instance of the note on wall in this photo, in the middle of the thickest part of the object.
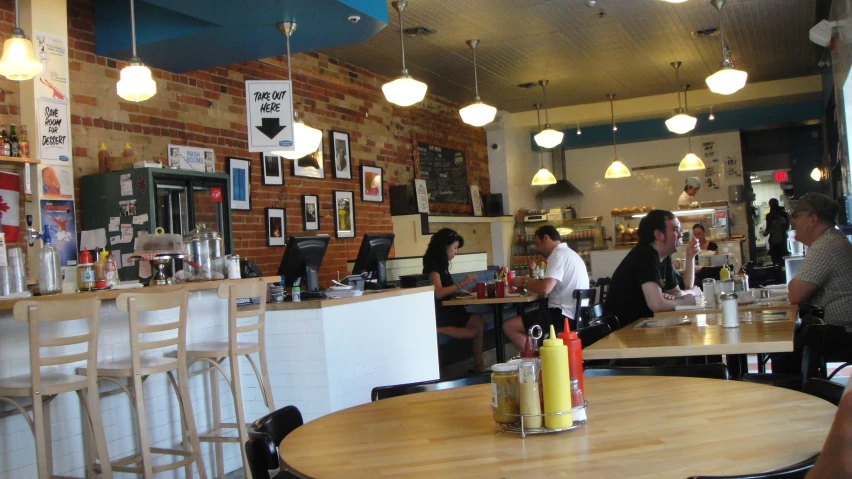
(54, 142)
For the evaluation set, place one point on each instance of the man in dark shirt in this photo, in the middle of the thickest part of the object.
(645, 282)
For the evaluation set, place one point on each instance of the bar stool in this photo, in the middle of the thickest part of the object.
(128, 373)
(42, 386)
(215, 352)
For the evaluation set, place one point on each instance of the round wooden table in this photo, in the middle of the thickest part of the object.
(637, 427)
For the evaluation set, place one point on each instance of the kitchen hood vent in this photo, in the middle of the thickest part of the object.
(562, 187)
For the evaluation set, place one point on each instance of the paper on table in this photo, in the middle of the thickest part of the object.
(688, 307)
(91, 239)
(662, 322)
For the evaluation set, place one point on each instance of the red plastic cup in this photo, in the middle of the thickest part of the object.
(501, 289)
(480, 290)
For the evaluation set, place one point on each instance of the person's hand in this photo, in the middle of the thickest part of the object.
(688, 299)
(518, 281)
(692, 249)
(470, 278)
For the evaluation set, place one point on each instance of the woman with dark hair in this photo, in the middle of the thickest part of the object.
(777, 224)
(703, 243)
(455, 322)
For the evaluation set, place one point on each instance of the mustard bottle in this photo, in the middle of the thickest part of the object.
(555, 382)
(724, 273)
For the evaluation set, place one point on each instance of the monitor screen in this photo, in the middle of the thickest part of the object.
(302, 259)
(373, 255)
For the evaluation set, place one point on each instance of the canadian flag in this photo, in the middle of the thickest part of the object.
(10, 194)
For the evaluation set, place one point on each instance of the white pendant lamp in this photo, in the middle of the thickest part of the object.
(18, 62)
(728, 79)
(579, 131)
(477, 113)
(617, 168)
(135, 82)
(306, 140)
(404, 91)
(711, 117)
(680, 123)
(690, 162)
(547, 138)
(544, 177)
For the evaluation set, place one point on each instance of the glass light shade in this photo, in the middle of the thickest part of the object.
(617, 170)
(135, 83)
(478, 114)
(548, 138)
(18, 62)
(306, 139)
(543, 178)
(681, 123)
(816, 174)
(726, 81)
(404, 91)
(691, 162)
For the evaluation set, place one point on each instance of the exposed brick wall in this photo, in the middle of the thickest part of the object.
(207, 108)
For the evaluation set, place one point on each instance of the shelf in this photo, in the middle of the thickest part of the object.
(17, 161)
(471, 219)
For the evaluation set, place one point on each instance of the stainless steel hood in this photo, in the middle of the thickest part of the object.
(562, 187)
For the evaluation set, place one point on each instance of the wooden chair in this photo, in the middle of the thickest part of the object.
(580, 312)
(264, 436)
(710, 371)
(214, 353)
(385, 392)
(46, 380)
(129, 373)
(796, 471)
(824, 389)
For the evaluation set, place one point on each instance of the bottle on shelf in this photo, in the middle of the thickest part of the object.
(100, 270)
(128, 151)
(13, 142)
(49, 269)
(111, 272)
(23, 143)
(103, 158)
(85, 272)
(7, 148)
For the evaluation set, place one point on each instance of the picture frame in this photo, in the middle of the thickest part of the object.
(276, 227)
(371, 184)
(341, 158)
(476, 200)
(422, 193)
(310, 212)
(273, 174)
(344, 214)
(239, 172)
(310, 166)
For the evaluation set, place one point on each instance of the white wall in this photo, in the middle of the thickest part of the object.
(513, 164)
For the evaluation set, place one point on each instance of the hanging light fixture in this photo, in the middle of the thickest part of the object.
(477, 113)
(712, 116)
(306, 139)
(617, 168)
(404, 91)
(544, 177)
(547, 138)
(728, 79)
(690, 162)
(579, 131)
(18, 62)
(819, 174)
(135, 82)
(680, 123)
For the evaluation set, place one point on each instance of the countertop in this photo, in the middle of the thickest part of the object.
(328, 303)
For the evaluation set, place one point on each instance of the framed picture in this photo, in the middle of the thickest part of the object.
(340, 153)
(276, 227)
(239, 169)
(371, 183)
(476, 200)
(272, 172)
(310, 212)
(422, 196)
(309, 166)
(344, 214)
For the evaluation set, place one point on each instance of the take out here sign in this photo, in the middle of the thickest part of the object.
(269, 112)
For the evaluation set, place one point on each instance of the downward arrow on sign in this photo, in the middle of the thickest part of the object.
(271, 127)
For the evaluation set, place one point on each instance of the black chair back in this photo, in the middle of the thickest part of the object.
(796, 471)
(580, 311)
(603, 284)
(593, 333)
(824, 389)
(264, 436)
(810, 309)
(385, 392)
(595, 312)
(710, 371)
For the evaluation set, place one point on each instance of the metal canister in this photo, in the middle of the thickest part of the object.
(730, 317)
(205, 252)
(233, 266)
(740, 282)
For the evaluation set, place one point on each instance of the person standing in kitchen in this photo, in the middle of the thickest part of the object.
(777, 224)
(692, 186)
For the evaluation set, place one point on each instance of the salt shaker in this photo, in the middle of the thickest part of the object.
(234, 266)
(577, 400)
(729, 310)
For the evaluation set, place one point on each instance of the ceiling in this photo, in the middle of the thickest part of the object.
(585, 55)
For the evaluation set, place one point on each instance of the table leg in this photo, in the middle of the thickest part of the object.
(498, 333)
(737, 365)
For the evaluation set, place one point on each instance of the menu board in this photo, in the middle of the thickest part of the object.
(445, 172)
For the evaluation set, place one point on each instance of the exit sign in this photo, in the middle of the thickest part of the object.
(779, 176)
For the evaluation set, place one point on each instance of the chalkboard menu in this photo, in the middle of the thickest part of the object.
(445, 172)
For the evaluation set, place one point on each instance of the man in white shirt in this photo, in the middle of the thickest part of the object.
(565, 272)
(692, 186)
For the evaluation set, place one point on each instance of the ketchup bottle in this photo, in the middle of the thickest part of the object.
(575, 353)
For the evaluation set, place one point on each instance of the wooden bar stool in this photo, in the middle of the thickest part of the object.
(215, 352)
(129, 373)
(42, 385)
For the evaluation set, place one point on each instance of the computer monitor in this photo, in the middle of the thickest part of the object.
(372, 258)
(302, 259)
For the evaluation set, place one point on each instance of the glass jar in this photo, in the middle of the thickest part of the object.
(577, 400)
(505, 398)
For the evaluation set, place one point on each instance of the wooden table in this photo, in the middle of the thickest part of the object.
(641, 427)
(772, 306)
(497, 305)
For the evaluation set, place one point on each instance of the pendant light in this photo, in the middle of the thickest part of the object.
(306, 139)
(404, 91)
(617, 168)
(690, 162)
(135, 82)
(680, 123)
(547, 138)
(477, 113)
(728, 79)
(579, 131)
(544, 177)
(712, 116)
(18, 62)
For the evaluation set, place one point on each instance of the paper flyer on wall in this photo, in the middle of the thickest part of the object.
(57, 182)
(59, 216)
(52, 52)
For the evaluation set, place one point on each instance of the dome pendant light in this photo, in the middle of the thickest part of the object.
(18, 62)
(306, 139)
(680, 123)
(477, 113)
(617, 168)
(690, 162)
(728, 79)
(135, 82)
(544, 177)
(712, 116)
(579, 131)
(547, 138)
(404, 91)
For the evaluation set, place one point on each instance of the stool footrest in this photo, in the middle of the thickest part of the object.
(125, 464)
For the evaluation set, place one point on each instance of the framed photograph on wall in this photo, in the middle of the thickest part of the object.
(340, 154)
(476, 200)
(310, 166)
(371, 183)
(422, 196)
(272, 172)
(239, 170)
(276, 227)
(344, 214)
(310, 212)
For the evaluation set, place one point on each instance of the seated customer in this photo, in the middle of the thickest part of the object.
(703, 243)
(645, 282)
(835, 461)
(453, 321)
(565, 272)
